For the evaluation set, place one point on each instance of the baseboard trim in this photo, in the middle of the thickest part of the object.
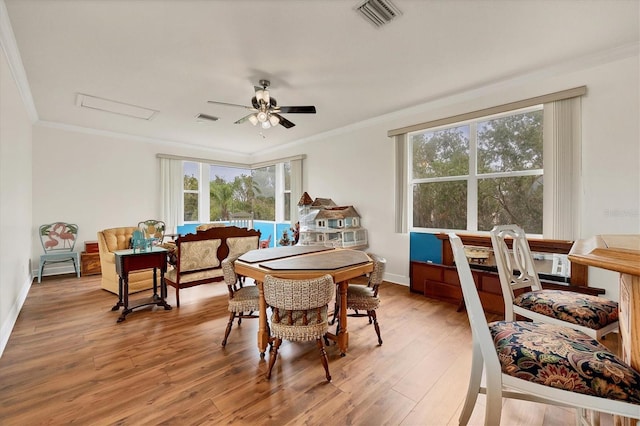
(10, 321)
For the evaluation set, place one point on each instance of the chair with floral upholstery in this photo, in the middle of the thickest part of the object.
(540, 362)
(299, 313)
(244, 302)
(58, 240)
(153, 230)
(595, 316)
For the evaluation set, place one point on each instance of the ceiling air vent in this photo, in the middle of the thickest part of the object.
(205, 117)
(378, 12)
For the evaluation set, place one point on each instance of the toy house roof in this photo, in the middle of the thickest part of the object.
(337, 213)
(305, 200)
(323, 202)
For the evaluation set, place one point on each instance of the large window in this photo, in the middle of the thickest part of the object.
(211, 192)
(476, 174)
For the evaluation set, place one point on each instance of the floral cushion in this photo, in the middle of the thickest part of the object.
(563, 358)
(582, 309)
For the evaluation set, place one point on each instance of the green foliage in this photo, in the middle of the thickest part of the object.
(506, 144)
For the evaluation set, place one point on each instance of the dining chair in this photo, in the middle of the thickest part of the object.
(299, 313)
(595, 316)
(540, 362)
(365, 297)
(58, 240)
(244, 302)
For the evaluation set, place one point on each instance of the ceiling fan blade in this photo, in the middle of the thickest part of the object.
(297, 109)
(284, 122)
(228, 104)
(243, 119)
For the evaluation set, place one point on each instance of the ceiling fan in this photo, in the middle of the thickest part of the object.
(266, 111)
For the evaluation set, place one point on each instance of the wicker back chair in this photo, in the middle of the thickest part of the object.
(365, 297)
(299, 312)
(243, 301)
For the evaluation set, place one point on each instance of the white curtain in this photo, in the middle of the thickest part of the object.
(296, 188)
(562, 169)
(401, 188)
(171, 182)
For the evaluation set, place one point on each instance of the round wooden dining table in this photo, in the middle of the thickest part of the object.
(303, 262)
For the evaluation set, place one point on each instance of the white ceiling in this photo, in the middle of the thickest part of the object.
(174, 55)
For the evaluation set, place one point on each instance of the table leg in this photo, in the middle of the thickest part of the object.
(263, 333)
(117, 305)
(124, 292)
(155, 284)
(343, 336)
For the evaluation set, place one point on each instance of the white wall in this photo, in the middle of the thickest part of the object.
(96, 181)
(355, 165)
(15, 201)
(115, 179)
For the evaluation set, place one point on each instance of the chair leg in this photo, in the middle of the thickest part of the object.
(273, 355)
(76, 266)
(324, 359)
(473, 387)
(336, 308)
(372, 315)
(232, 316)
(178, 296)
(40, 271)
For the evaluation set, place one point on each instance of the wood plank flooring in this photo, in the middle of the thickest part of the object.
(69, 362)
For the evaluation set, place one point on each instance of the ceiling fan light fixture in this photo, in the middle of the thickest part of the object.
(253, 119)
(262, 116)
(265, 124)
(274, 120)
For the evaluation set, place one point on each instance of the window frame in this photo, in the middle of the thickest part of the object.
(473, 177)
(203, 190)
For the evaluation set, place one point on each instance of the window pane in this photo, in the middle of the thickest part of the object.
(230, 190)
(190, 176)
(264, 202)
(190, 207)
(441, 153)
(440, 205)
(510, 143)
(511, 200)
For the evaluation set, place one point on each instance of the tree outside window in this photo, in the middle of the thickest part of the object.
(477, 175)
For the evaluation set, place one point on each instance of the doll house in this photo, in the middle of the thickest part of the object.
(322, 222)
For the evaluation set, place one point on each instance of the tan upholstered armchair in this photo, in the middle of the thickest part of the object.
(110, 240)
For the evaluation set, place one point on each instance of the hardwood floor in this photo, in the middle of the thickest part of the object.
(68, 361)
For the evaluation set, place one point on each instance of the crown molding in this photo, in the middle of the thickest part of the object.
(10, 49)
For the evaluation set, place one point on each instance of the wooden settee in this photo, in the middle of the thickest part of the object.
(198, 256)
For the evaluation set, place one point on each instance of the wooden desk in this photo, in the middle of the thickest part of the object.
(130, 260)
(302, 262)
(619, 253)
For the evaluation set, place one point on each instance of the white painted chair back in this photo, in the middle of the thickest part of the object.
(515, 266)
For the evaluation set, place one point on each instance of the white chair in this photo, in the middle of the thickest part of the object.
(595, 316)
(540, 362)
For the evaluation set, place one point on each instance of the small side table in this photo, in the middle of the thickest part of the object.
(130, 260)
